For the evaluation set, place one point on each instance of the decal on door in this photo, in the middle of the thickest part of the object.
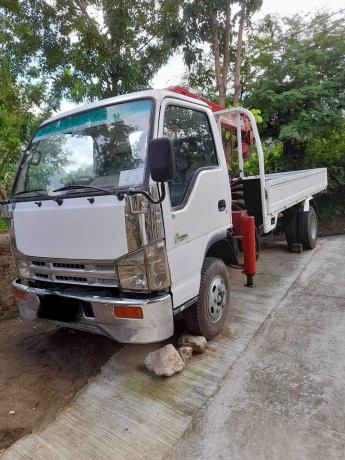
(178, 237)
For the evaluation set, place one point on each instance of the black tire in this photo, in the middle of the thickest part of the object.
(214, 289)
(307, 228)
(291, 228)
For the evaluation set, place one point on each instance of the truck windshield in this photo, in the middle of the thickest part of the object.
(104, 148)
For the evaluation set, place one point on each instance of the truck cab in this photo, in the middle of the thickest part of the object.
(99, 245)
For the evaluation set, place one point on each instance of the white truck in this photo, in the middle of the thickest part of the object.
(121, 216)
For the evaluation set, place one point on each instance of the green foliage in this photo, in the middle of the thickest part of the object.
(329, 152)
(198, 28)
(198, 46)
(89, 49)
(272, 160)
(78, 50)
(257, 115)
(3, 223)
(17, 121)
(297, 78)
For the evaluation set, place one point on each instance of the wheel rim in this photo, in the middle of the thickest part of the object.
(216, 299)
(313, 229)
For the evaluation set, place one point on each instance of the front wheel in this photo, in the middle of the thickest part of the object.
(207, 316)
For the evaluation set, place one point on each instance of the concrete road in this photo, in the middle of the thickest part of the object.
(285, 397)
(271, 386)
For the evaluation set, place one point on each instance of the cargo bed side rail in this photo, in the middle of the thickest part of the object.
(238, 111)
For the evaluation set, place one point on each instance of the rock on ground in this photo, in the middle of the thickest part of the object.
(197, 342)
(185, 353)
(165, 361)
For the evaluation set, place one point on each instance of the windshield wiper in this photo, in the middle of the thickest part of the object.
(37, 191)
(34, 190)
(119, 195)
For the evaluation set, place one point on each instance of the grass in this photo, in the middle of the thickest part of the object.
(3, 223)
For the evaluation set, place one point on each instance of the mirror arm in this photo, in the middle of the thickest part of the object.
(146, 195)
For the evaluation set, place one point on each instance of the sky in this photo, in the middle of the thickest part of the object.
(171, 73)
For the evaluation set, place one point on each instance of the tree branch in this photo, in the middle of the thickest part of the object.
(4, 72)
(215, 40)
(237, 82)
(6, 158)
(226, 46)
(82, 7)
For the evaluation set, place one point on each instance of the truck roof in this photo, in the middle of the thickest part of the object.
(158, 94)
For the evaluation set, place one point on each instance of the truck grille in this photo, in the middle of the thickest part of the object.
(85, 272)
(73, 266)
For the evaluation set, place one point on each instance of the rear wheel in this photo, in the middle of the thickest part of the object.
(291, 228)
(207, 316)
(307, 228)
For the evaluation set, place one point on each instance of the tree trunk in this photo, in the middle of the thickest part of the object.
(216, 52)
(221, 74)
(3, 193)
(237, 82)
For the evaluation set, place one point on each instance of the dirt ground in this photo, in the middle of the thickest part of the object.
(332, 227)
(8, 308)
(42, 367)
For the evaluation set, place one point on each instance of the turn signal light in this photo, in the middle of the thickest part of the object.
(128, 312)
(19, 294)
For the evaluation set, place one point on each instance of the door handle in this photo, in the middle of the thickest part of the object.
(221, 205)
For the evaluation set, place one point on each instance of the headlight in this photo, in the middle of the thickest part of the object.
(157, 266)
(20, 263)
(145, 270)
(132, 273)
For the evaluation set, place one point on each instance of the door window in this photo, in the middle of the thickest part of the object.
(194, 148)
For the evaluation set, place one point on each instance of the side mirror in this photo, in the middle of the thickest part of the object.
(161, 159)
(36, 158)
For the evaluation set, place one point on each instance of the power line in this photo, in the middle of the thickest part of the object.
(308, 27)
(315, 23)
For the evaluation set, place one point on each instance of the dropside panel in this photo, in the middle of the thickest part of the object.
(287, 189)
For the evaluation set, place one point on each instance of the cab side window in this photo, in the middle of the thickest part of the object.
(194, 147)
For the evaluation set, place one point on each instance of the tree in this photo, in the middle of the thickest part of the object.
(297, 79)
(237, 80)
(209, 32)
(89, 49)
(78, 50)
(17, 121)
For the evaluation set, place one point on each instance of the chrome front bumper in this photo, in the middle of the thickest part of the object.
(157, 323)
